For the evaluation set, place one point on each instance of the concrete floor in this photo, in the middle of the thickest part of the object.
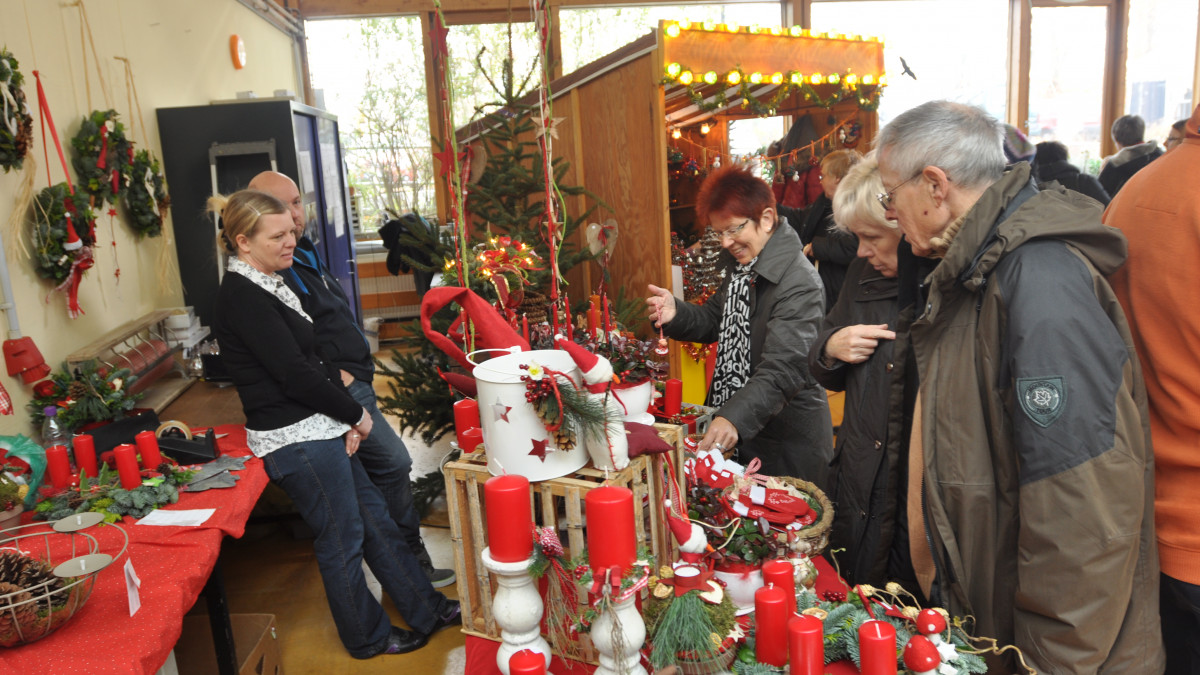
(269, 571)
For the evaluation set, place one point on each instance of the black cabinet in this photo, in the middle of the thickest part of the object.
(227, 144)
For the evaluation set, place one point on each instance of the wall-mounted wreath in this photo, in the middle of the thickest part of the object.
(16, 129)
(146, 198)
(55, 207)
(103, 156)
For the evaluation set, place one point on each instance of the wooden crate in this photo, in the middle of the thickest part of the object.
(558, 502)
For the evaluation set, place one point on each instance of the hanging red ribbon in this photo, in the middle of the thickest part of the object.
(82, 263)
(45, 116)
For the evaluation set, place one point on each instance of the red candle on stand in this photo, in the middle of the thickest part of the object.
(527, 662)
(85, 454)
(509, 518)
(466, 416)
(607, 319)
(771, 625)
(147, 445)
(125, 455)
(673, 400)
(58, 466)
(611, 541)
(525, 327)
(783, 575)
(806, 646)
(471, 439)
(593, 317)
(877, 648)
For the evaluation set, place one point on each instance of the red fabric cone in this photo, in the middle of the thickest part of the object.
(491, 330)
(595, 369)
(73, 242)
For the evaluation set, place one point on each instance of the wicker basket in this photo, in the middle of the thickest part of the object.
(534, 305)
(814, 538)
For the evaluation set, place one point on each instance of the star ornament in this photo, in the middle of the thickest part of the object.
(437, 33)
(501, 411)
(540, 449)
(549, 126)
(446, 159)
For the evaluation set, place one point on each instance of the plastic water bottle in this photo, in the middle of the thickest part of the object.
(54, 433)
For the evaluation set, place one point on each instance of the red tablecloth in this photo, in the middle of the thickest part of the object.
(481, 652)
(173, 563)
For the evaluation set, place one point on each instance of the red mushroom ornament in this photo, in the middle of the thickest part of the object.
(921, 656)
(932, 623)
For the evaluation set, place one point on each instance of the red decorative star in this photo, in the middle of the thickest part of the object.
(445, 160)
(112, 212)
(437, 33)
(501, 410)
(539, 450)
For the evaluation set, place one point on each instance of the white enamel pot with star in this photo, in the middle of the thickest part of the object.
(514, 437)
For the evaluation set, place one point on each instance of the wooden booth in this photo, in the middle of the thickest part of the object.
(632, 121)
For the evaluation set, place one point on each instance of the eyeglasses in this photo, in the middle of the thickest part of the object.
(731, 232)
(886, 198)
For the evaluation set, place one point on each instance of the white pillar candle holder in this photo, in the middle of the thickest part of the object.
(517, 608)
(633, 631)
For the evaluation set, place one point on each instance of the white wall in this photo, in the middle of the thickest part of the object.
(179, 51)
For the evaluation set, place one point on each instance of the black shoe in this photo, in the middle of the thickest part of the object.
(451, 615)
(399, 641)
(440, 578)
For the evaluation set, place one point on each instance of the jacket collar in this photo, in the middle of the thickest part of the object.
(778, 254)
(271, 283)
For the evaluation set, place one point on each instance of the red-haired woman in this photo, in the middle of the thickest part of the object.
(765, 317)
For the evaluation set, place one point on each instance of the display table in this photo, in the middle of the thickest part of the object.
(173, 563)
(481, 653)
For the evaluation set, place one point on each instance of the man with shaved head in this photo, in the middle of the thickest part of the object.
(341, 341)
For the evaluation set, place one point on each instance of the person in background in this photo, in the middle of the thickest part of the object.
(765, 315)
(1052, 164)
(341, 342)
(307, 429)
(1017, 146)
(1158, 211)
(1175, 136)
(1133, 153)
(831, 250)
(853, 352)
(1031, 474)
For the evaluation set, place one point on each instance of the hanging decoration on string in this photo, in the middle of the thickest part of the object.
(16, 132)
(552, 199)
(103, 156)
(865, 90)
(64, 227)
(146, 200)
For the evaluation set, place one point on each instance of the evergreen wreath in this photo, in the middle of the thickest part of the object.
(53, 208)
(103, 156)
(90, 393)
(16, 133)
(104, 495)
(146, 197)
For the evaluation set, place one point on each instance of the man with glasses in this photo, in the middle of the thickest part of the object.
(1029, 497)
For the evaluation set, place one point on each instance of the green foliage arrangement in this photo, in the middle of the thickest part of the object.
(10, 492)
(101, 133)
(105, 496)
(52, 208)
(14, 145)
(146, 199)
(90, 393)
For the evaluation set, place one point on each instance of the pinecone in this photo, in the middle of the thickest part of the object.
(15, 610)
(564, 439)
(76, 390)
(25, 572)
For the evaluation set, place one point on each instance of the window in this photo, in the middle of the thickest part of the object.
(1160, 63)
(955, 49)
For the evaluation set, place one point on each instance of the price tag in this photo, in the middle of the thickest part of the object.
(132, 584)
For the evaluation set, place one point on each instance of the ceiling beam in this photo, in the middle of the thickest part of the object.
(335, 9)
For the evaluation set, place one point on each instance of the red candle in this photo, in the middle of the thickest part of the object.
(877, 648)
(466, 416)
(125, 455)
(527, 662)
(610, 537)
(771, 625)
(85, 454)
(147, 445)
(58, 465)
(525, 327)
(509, 518)
(783, 575)
(471, 439)
(607, 319)
(806, 646)
(673, 401)
(593, 317)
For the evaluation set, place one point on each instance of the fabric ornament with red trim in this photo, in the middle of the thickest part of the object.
(609, 450)
(146, 197)
(16, 124)
(103, 156)
(693, 543)
(63, 236)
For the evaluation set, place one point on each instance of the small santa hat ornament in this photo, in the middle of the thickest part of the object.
(690, 537)
(73, 242)
(921, 656)
(595, 368)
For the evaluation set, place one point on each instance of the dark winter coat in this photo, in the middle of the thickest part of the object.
(1069, 176)
(865, 476)
(1038, 468)
(1128, 161)
(782, 413)
(832, 249)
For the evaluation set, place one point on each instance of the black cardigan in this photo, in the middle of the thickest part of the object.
(270, 351)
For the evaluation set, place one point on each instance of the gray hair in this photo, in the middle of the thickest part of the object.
(856, 199)
(962, 140)
(1129, 130)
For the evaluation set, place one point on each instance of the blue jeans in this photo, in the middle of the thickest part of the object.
(388, 463)
(1180, 610)
(348, 515)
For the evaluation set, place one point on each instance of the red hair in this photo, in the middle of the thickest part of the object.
(735, 190)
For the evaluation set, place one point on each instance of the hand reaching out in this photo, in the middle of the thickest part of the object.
(661, 304)
(855, 344)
